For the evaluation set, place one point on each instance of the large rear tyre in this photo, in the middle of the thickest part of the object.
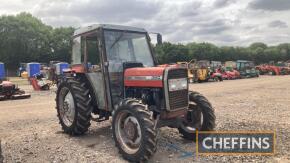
(73, 106)
(200, 116)
(133, 131)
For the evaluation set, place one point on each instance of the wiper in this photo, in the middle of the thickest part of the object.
(118, 39)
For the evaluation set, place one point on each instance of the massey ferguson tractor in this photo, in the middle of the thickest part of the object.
(125, 82)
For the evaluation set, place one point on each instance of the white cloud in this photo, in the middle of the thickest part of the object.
(223, 22)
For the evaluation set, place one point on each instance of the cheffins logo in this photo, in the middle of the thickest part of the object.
(236, 142)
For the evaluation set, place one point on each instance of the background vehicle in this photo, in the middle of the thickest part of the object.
(190, 66)
(55, 71)
(125, 82)
(229, 71)
(39, 82)
(214, 76)
(283, 67)
(202, 70)
(247, 69)
(215, 65)
(214, 73)
(8, 90)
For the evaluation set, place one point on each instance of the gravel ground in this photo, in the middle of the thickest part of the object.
(30, 132)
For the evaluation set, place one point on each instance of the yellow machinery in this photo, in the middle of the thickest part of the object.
(197, 70)
(190, 69)
(202, 70)
(24, 74)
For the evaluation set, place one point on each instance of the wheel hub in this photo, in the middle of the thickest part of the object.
(130, 129)
(128, 132)
(67, 109)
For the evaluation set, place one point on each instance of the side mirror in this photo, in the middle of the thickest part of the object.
(159, 39)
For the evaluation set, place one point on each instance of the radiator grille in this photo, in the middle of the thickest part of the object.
(178, 99)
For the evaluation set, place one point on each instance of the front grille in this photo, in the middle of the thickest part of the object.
(177, 99)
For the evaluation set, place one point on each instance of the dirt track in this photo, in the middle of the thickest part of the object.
(30, 131)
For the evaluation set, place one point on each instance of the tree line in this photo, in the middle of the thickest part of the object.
(25, 38)
(257, 52)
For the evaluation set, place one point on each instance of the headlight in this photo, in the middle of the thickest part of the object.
(177, 84)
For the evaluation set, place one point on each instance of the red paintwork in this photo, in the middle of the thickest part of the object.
(229, 74)
(143, 83)
(276, 69)
(144, 71)
(34, 84)
(215, 74)
(269, 68)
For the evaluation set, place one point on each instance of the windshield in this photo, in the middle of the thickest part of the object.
(124, 46)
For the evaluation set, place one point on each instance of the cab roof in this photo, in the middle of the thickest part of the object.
(93, 27)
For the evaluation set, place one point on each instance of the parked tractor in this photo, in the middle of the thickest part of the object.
(214, 73)
(202, 70)
(229, 71)
(125, 82)
(204, 73)
(247, 69)
(284, 68)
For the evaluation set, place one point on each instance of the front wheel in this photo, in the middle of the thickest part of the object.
(200, 116)
(133, 131)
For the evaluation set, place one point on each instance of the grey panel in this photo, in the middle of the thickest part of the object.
(97, 81)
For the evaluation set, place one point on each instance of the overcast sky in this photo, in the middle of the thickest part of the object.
(223, 22)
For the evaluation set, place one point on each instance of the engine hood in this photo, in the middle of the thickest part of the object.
(144, 77)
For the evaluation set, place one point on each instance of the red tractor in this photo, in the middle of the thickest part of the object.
(268, 69)
(125, 82)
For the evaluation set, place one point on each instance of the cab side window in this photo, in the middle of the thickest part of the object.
(93, 55)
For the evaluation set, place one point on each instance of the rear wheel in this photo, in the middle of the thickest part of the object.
(133, 131)
(200, 116)
(73, 107)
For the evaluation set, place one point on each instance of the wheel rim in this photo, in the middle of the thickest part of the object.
(190, 127)
(128, 132)
(67, 107)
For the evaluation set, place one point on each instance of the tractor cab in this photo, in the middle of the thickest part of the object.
(114, 73)
(103, 52)
(247, 68)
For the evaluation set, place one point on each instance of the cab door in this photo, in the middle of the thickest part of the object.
(95, 70)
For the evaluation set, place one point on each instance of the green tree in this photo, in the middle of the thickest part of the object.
(24, 38)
